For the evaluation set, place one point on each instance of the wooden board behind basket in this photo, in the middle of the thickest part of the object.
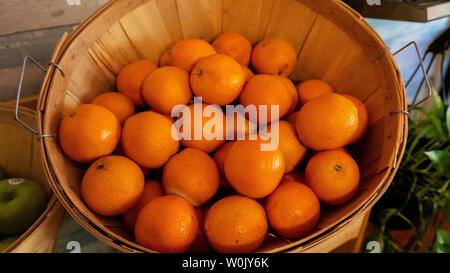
(334, 44)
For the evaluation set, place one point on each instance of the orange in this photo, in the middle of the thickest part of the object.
(112, 185)
(152, 189)
(234, 45)
(165, 88)
(248, 73)
(363, 119)
(292, 90)
(274, 56)
(167, 224)
(327, 122)
(131, 78)
(191, 174)
(214, 124)
(88, 133)
(242, 126)
(218, 79)
(252, 171)
(310, 89)
(292, 209)
(119, 151)
(236, 224)
(267, 90)
(186, 53)
(219, 157)
(333, 176)
(147, 139)
(201, 244)
(293, 150)
(119, 104)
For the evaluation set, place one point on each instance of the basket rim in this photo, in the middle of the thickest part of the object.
(52, 203)
(123, 244)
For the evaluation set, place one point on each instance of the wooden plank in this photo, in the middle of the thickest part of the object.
(147, 31)
(169, 12)
(250, 18)
(15, 147)
(336, 58)
(361, 234)
(284, 22)
(9, 81)
(200, 18)
(37, 43)
(114, 49)
(87, 80)
(397, 10)
(37, 14)
(48, 229)
(27, 102)
(339, 238)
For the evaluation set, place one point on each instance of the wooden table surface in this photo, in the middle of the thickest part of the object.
(32, 27)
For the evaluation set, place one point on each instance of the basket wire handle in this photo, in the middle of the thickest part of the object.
(414, 104)
(19, 90)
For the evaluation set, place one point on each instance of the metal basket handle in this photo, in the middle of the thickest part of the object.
(19, 90)
(424, 75)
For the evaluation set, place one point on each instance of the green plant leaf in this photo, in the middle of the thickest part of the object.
(425, 173)
(442, 241)
(433, 124)
(379, 241)
(441, 158)
(438, 105)
(430, 131)
(438, 124)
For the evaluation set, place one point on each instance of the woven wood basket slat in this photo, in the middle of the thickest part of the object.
(20, 157)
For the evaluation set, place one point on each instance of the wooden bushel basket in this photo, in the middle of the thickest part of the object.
(20, 157)
(334, 43)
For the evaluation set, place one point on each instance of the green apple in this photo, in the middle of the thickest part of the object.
(22, 201)
(2, 174)
(6, 242)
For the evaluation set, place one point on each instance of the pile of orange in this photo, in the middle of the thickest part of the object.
(174, 205)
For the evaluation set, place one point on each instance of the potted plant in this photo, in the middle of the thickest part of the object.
(419, 198)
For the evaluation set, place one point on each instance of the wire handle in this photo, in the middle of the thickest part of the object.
(19, 90)
(424, 75)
